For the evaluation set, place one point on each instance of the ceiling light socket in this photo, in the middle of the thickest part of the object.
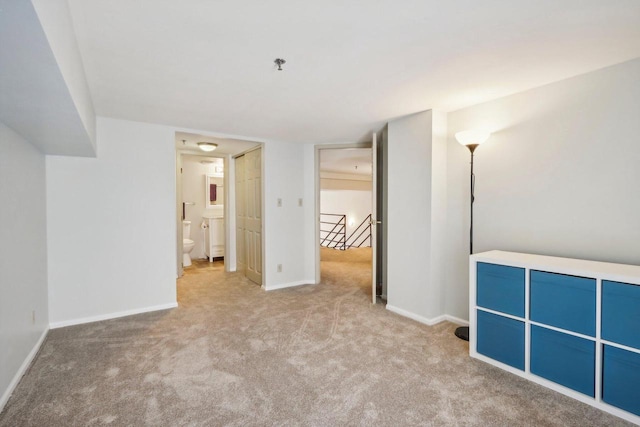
(279, 62)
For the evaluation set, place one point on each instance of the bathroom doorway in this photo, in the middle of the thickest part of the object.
(205, 198)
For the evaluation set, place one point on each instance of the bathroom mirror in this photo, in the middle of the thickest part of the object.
(214, 190)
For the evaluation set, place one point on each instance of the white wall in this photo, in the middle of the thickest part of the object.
(23, 255)
(284, 234)
(558, 176)
(310, 233)
(356, 204)
(416, 215)
(437, 272)
(111, 225)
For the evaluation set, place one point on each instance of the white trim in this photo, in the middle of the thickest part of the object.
(598, 337)
(621, 346)
(341, 176)
(510, 316)
(454, 319)
(23, 369)
(62, 324)
(288, 285)
(424, 320)
(564, 331)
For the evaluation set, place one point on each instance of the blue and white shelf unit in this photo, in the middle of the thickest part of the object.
(570, 325)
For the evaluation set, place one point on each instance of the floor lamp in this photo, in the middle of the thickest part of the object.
(470, 139)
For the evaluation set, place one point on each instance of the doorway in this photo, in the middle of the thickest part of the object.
(349, 210)
(212, 202)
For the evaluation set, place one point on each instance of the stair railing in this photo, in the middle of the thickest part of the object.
(333, 231)
(362, 234)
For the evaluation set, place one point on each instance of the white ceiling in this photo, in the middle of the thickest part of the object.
(353, 161)
(351, 65)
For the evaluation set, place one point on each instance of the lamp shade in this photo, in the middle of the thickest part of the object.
(472, 137)
(207, 146)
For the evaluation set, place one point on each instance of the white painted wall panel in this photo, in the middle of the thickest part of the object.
(558, 176)
(284, 178)
(409, 214)
(111, 224)
(23, 253)
(438, 290)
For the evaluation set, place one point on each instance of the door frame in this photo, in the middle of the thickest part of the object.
(178, 215)
(318, 148)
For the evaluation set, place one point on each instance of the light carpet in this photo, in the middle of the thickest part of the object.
(317, 355)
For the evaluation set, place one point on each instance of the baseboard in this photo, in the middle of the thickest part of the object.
(456, 320)
(62, 324)
(23, 368)
(288, 285)
(424, 320)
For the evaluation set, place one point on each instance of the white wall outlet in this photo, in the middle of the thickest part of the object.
(300, 202)
(279, 202)
(279, 268)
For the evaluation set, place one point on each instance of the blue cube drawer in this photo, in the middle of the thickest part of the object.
(621, 379)
(564, 359)
(500, 288)
(621, 313)
(500, 338)
(563, 301)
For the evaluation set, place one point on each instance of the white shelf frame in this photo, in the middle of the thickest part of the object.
(599, 271)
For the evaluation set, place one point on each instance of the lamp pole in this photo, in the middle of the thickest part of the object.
(472, 148)
(462, 332)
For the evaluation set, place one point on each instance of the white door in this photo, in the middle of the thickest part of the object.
(249, 214)
(374, 216)
(240, 214)
(253, 218)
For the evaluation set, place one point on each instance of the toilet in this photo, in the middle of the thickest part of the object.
(187, 244)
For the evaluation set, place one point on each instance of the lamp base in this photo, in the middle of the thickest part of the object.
(463, 333)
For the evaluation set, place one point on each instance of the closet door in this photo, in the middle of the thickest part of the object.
(249, 214)
(253, 218)
(240, 214)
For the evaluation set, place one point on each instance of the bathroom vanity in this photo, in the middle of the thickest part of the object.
(214, 236)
